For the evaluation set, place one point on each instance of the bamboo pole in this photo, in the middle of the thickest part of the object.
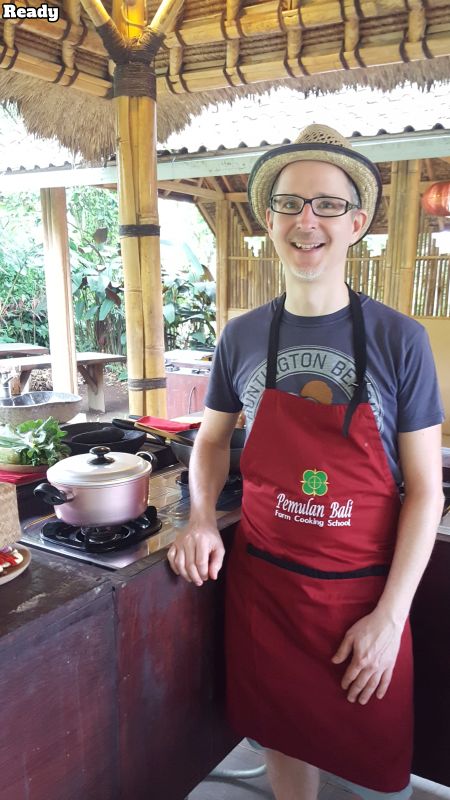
(409, 241)
(134, 161)
(133, 45)
(403, 227)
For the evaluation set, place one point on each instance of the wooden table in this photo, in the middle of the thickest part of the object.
(90, 366)
(21, 349)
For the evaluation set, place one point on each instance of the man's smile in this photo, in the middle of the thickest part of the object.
(304, 246)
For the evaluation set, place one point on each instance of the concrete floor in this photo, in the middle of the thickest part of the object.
(244, 756)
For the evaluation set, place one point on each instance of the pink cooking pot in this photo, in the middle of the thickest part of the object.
(98, 488)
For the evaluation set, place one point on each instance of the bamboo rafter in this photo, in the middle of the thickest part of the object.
(213, 79)
(300, 41)
(268, 18)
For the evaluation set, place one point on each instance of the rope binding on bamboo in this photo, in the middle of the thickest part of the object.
(146, 384)
(134, 75)
(139, 230)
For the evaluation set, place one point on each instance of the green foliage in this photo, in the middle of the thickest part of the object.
(97, 276)
(189, 312)
(23, 311)
(188, 298)
(35, 442)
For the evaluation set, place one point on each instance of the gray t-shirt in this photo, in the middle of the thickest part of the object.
(315, 360)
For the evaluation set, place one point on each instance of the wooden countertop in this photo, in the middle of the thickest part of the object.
(50, 587)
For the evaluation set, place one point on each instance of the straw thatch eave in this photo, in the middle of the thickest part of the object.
(59, 73)
(85, 123)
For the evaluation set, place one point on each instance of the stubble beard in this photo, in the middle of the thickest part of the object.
(307, 275)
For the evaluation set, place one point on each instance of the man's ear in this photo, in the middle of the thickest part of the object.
(269, 221)
(359, 220)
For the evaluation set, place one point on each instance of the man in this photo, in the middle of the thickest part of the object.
(326, 560)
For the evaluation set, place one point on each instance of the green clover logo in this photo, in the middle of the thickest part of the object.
(315, 482)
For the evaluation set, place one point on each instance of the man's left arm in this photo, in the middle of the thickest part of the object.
(373, 642)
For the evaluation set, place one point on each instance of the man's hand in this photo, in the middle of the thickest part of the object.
(373, 643)
(197, 553)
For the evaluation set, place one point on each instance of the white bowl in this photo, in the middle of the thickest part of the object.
(39, 405)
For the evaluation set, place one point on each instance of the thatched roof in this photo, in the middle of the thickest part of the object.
(59, 72)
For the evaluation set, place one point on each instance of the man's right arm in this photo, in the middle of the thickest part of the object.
(198, 551)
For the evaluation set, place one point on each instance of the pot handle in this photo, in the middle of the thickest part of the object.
(147, 456)
(49, 494)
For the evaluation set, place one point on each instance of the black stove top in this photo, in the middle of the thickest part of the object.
(232, 486)
(120, 546)
(103, 539)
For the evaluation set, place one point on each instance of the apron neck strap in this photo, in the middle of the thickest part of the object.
(360, 352)
(359, 347)
(272, 350)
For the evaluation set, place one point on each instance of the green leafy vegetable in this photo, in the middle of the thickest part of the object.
(33, 442)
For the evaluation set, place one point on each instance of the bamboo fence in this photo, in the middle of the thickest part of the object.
(431, 295)
(254, 279)
(365, 272)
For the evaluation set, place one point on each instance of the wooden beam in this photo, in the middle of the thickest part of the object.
(189, 189)
(432, 177)
(236, 197)
(223, 227)
(244, 217)
(59, 290)
(207, 216)
(212, 181)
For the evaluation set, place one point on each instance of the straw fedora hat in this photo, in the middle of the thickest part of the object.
(315, 143)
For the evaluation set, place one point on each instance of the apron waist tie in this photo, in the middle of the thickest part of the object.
(302, 569)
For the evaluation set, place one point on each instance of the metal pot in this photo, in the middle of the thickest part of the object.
(183, 451)
(98, 488)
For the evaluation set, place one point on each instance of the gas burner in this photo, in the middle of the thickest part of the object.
(232, 484)
(103, 539)
(232, 489)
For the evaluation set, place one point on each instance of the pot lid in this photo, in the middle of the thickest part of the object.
(97, 468)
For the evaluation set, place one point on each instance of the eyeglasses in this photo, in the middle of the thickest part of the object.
(321, 206)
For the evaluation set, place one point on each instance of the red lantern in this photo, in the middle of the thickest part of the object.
(436, 200)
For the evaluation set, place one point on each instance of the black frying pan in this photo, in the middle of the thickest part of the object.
(183, 451)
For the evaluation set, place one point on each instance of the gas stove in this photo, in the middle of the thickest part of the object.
(115, 548)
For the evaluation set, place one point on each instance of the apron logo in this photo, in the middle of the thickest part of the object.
(315, 482)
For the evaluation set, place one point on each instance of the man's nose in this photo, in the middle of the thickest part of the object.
(306, 216)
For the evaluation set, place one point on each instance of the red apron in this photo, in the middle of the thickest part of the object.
(310, 558)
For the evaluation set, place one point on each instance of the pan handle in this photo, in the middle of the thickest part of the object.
(50, 495)
(126, 424)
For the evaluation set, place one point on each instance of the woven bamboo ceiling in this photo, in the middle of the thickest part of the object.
(60, 76)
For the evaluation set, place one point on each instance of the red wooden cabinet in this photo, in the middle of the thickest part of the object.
(185, 392)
